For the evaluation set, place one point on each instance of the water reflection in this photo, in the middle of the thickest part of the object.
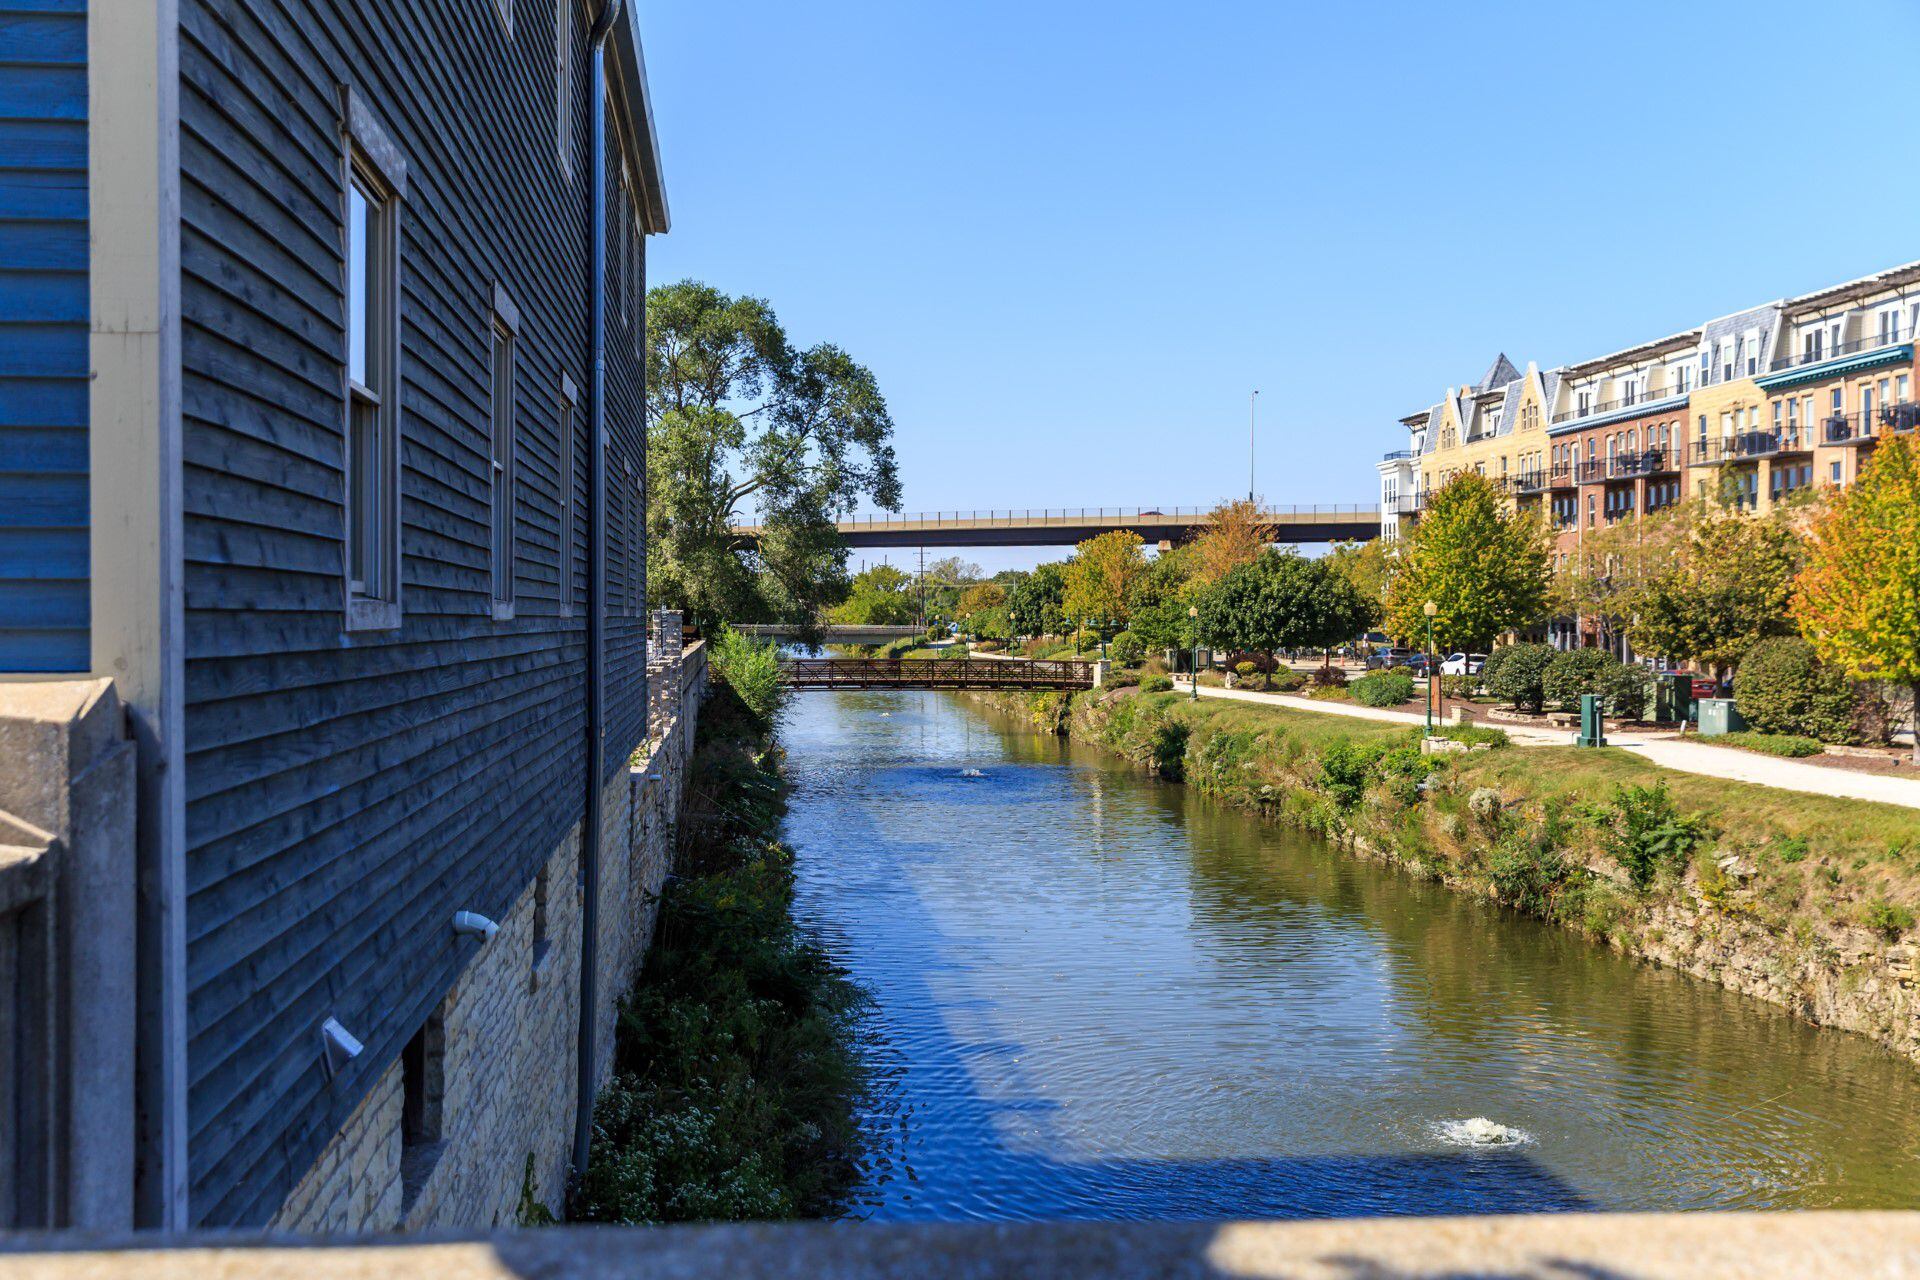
(1100, 997)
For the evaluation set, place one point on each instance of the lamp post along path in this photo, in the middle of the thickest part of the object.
(1430, 608)
(1193, 621)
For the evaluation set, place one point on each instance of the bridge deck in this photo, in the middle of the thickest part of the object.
(1056, 526)
(935, 673)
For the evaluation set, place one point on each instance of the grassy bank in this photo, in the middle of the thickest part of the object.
(736, 1081)
(1802, 900)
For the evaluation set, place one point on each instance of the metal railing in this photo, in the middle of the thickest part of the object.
(1070, 515)
(936, 673)
(1619, 402)
(1839, 350)
(1398, 455)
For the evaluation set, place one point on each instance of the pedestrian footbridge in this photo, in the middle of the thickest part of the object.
(937, 673)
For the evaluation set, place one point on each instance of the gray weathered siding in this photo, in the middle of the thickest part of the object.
(348, 793)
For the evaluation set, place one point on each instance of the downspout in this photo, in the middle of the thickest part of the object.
(596, 590)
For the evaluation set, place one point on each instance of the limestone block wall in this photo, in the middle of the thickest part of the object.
(503, 1048)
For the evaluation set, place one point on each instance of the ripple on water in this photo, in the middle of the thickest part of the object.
(1097, 997)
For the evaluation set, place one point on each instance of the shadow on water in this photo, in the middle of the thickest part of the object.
(1100, 998)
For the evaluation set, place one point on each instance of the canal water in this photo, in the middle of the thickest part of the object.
(1096, 996)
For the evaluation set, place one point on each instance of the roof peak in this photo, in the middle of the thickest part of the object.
(1498, 374)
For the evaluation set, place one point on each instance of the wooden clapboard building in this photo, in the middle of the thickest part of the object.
(321, 433)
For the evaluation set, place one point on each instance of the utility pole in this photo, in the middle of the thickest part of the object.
(1252, 400)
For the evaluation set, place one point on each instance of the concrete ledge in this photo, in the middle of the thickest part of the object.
(1753, 1246)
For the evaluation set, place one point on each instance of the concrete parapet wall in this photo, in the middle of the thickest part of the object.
(1696, 1246)
(510, 1025)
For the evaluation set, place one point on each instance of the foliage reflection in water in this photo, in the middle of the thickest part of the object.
(1099, 997)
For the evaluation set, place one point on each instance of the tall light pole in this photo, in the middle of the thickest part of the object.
(1430, 608)
(1252, 400)
(1193, 622)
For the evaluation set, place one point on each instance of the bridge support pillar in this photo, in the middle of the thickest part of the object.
(1099, 673)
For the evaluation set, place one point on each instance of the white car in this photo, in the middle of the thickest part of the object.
(1463, 664)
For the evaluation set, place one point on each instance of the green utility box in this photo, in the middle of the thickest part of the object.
(1718, 716)
(1593, 725)
(1673, 697)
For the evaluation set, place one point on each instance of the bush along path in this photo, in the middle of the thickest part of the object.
(1804, 901)
(737, 1083)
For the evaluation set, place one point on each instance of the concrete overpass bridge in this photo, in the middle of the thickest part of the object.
(1066, 526)
(835, 633)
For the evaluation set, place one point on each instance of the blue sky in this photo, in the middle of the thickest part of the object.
(1069, 237)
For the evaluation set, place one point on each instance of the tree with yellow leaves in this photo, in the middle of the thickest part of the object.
(1236, 533)
(1101, 577)
(1858, 598)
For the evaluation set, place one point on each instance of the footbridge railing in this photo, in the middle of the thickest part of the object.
(936, 673)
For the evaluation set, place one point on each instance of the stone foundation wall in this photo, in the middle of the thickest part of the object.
(509, 1028)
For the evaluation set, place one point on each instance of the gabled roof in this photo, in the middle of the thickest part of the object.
(1498, 374)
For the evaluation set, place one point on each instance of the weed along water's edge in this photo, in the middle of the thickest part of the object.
(1803, 901)
(737, 1082)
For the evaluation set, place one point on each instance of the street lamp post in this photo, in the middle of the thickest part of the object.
(1430, 608)
(1193, 621)
(1251, 401)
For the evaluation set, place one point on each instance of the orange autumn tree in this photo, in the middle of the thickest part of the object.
(1236, 533)
(1858, 598)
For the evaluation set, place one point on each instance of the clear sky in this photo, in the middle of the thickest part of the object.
(1070, 236)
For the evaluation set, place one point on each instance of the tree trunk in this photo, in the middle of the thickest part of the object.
(1915, 691)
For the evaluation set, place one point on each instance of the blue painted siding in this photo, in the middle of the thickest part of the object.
(43, 335)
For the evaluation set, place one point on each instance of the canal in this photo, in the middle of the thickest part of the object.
(1096, 996)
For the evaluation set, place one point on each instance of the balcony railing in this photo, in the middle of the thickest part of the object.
(1398, 455)
(1858, 428)
(1529, 482)
(1620, 402)
(1562, 477)
(1748, 446)
(1838, 350)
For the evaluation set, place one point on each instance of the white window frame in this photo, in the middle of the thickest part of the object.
(373, 166)
(503, 335)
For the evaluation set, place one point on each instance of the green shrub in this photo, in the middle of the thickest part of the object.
(1627, 688)
(1573, 673)
(1648, 832)
(1169, 746)
(1528, 872)
(1790, 745)
(1517, 674)
(1246, 670)
(1347, 767)
(1888, 918)
(1126, 649)
(1287, 680)
(1155, 683)
(1382, 688)
(752, 670)
(1783, 687)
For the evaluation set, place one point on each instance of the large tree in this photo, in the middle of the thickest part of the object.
(1280, 601)
(1036, 601)
(1237, 531)
(1101, 577)
(1366, 567)
(1720, 590)
(1606, 581)
(880, 596)
(744, 428)
(1483, 566)
(1858, 598)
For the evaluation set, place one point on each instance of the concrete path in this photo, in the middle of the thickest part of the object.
(1664, 749)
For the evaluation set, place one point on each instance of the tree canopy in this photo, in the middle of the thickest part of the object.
(1858, 598)
(1484, 568)
(740, 422)
(1281, 601)
(1721, 589)
(880, 596)
(1237, 532)
(1036, 602)
(1101, 577)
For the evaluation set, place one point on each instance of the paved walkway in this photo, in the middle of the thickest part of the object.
(1664, 749)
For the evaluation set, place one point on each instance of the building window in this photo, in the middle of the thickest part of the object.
(569, 506)
(501, 463)
(1839, 401)
(373, 402)
(373, 183)
(1900, 389)
(423, 1090)
(563, 83)
(1889, 327)
(1833, 469)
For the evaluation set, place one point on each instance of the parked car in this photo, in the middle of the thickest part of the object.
(1385, 659)
(1463, 664)
(1415, 664)
(1703, 686)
